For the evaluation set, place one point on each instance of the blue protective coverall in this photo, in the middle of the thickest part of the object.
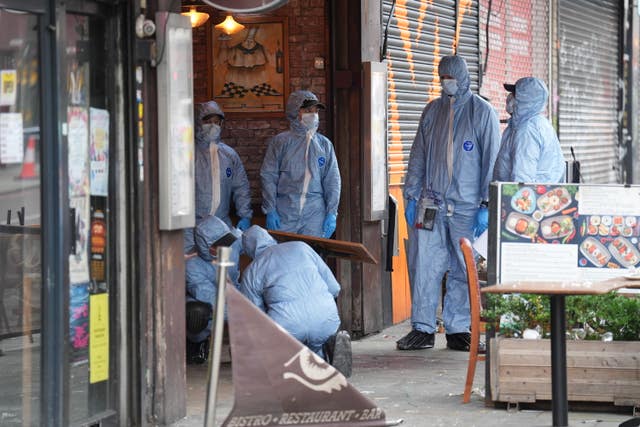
(200, 274)
(302, 205)
(292, 284)
(232, 176)
(455, 193)
(530, 152)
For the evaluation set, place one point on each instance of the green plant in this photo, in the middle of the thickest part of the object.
(611, 312)
(596, 314)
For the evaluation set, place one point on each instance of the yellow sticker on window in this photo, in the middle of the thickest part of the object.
(98, 338)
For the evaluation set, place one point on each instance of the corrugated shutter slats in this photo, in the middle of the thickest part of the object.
(419, 31)
(588, 84)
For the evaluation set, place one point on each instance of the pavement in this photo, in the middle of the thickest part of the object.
(10, 180)
(424, 388)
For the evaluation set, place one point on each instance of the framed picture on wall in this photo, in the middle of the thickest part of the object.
(251, 67)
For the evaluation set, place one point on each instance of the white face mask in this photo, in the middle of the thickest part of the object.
(510, 103)
(211, 131)
(310, 120)
(450, 86)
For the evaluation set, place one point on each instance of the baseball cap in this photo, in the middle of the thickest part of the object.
(510, 87)
(311, 102)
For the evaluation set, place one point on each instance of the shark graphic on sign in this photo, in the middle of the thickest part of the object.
(278, 381)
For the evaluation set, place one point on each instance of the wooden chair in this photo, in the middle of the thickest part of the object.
(476, 309)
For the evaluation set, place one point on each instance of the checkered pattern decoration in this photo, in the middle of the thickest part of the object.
(264, 89)
(233, 90)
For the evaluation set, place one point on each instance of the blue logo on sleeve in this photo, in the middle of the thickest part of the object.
(228, 172)
(468, 146)
(321, 161)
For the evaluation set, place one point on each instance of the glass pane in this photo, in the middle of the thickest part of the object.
(88, 148)
(20, 249)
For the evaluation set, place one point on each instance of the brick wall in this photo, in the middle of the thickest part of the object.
(518, 45)
(308, 39)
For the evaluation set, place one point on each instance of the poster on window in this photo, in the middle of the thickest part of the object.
(11, 142)
(78, 151)
(79, 321)
(8, 87)
(79, 257)
(99, 151)
(568, 231)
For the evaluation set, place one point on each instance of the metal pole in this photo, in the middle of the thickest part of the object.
(223, 255)
(559, 403)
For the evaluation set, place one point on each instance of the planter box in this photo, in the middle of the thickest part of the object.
(597, 371)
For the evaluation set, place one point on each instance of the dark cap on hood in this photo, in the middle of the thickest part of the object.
(311, 102)
(510, 87)
(207, 109)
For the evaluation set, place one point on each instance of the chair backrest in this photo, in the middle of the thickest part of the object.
(472, 277)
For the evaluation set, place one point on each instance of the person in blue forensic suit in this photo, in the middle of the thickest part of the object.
(530, 152)
(300, 176)
(446, 193)
(219, 174)
(202, 280)
(293, 285)
(509, 106)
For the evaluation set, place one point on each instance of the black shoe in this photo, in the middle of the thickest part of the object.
(460, 341)
(197, 352)
(341, 357)
(416, 340)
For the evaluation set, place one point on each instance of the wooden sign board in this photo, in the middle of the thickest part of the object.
(329, 247)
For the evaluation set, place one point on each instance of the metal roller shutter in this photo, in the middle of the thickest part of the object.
(420, 33)
(588, 85)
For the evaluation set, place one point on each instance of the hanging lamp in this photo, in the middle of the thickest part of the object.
(197, 18)
(229, 26)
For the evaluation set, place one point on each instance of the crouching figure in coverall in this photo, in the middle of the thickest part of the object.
(202, 280)
(297, 290)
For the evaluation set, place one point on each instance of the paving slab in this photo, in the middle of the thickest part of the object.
(424, 388)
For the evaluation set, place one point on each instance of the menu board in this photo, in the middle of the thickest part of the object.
(565, 232)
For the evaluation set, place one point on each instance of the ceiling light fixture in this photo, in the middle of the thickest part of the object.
(229, 26)
(197, 18)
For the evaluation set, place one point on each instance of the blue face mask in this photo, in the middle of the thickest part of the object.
(450, 86)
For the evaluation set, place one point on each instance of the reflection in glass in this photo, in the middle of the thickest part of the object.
(88, 164)
(20, 248)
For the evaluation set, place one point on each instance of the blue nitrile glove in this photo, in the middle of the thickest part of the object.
(329, 225)
(273, 220)
(481, 222)
(243, 224)
(410, 213)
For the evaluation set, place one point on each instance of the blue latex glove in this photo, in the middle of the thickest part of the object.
(410, 213)
(481, 222)
(243, 224)
(273, 220)
(329, 225)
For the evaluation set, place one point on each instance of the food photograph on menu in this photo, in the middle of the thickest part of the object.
(601, 235)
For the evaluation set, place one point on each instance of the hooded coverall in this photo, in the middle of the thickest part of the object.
(450, 167)
(530, 152)
(293, 285)
(231, 176)
(300, 176)
(200, 274)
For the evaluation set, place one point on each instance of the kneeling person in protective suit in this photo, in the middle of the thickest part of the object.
(292, 284)
(201, 280)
